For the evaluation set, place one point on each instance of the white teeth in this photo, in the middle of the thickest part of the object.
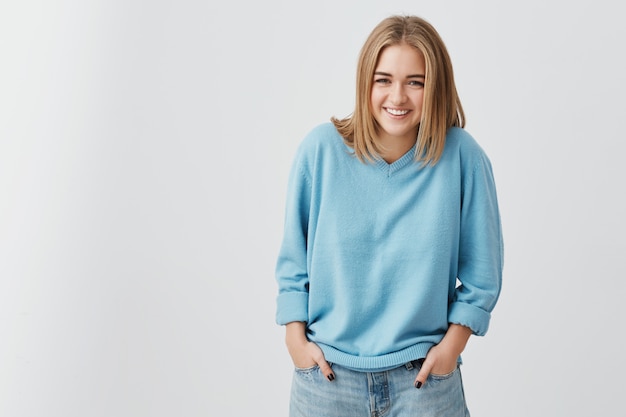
(397, 112)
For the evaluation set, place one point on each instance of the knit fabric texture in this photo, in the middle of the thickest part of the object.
(378, 259)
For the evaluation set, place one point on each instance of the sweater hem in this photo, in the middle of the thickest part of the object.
(376, 363)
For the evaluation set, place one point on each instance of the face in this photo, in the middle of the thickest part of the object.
(398, 93)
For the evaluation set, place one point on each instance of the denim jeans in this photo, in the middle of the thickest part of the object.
(376, 394)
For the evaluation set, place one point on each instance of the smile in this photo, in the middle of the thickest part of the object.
(396, 112)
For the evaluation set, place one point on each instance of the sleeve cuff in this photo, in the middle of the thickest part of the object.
(292, 306)
(469, 316)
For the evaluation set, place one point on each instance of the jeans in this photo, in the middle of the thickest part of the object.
(376, 394)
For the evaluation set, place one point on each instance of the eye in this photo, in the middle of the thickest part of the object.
(382, 81)
(416, 83)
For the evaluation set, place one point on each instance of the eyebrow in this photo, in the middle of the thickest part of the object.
(386, 74)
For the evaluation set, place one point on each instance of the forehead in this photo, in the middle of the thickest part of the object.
(400, 57)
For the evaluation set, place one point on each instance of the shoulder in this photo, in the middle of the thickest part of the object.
(460, 139)
(320, 139)
(461, 144)
(323, 134)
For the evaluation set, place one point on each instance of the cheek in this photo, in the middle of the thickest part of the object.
(418, 99)
(375, 99)
(372, 102)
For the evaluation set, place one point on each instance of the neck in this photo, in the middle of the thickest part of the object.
(395, 148)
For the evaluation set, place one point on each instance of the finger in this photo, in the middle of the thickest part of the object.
(326, 370)
(422, 375)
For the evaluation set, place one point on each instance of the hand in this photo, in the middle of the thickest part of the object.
(442, 359)
(439, 361)
(304, 353)
(308, 354)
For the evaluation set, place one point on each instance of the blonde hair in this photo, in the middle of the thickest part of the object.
(441, 109)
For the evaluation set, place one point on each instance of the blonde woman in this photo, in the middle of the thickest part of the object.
(392, 250)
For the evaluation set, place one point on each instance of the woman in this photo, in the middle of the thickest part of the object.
(392, 249)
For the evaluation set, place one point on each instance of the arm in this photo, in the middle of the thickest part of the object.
(291, 266)
(292, 275)
(480, 258)
(479, 270)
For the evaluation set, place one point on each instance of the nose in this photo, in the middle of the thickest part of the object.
(397, 95)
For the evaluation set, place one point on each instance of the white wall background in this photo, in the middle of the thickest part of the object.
(144, 152)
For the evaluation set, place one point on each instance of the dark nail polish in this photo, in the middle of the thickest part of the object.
(331, 377)
(418, 385)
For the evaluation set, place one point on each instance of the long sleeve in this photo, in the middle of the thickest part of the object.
(291, 266)
(480, 249)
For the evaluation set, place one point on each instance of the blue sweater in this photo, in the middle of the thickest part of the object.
(379, 258)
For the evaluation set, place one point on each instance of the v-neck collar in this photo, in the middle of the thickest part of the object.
(404, 160)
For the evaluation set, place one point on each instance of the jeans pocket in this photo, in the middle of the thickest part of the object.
(438, 377)
(306, 370)
(311, 374)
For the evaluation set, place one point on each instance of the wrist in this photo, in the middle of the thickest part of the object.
(456, 338)
(295, 334)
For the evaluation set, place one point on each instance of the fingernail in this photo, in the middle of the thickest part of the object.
(418, 384)
(331, 377)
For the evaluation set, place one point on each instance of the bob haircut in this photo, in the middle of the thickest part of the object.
(441, 109)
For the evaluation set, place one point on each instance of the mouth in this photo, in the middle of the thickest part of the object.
(396, 112)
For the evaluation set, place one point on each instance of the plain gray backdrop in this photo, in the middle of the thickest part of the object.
(144, 153)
